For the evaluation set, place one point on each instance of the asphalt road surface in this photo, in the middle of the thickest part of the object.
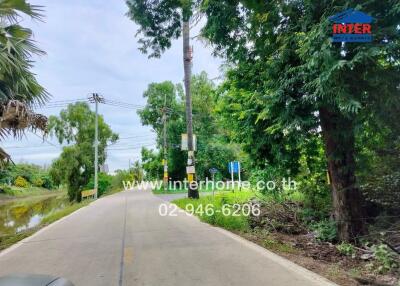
(122, 240)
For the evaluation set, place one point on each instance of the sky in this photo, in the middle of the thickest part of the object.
(91, 47)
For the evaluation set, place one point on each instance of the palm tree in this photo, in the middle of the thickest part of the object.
(19, 90)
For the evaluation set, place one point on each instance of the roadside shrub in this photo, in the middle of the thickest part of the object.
(105, 181)
(268, 174)
(325, 230)
(119, 177)
(310, 215)
(21, 182)
(38, 182)
(47, 182)
(278, 217)
(33, 174)
(5, 189)
(316, 191)
(385, 259)
(346, 249)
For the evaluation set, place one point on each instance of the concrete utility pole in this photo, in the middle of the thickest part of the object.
(165, 180)
(96, 98)
(187, 64)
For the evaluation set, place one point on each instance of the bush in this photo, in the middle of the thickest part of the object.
(47, 182)
(35, 175)
(268, 174)
(5, 189)
(105, 181)
(325, 230)
(385, 260)
(119, 177)
(21, 182)
(316, 192)
(346, 249)
(38, 182)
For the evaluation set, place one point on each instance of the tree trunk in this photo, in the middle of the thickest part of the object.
(338, 135)
(187, 66)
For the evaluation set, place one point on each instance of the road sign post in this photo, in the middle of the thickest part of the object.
(232, 177)
(213, 171)
(234, 167)
(240, 182)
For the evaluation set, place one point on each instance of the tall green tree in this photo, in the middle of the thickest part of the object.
(213, 148)
(151, 163)
(302, 84)
(160, 22)
(19, 89)
(76, 127)
(159, 96)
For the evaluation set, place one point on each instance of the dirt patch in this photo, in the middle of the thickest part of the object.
(279, 229)
(321, 258)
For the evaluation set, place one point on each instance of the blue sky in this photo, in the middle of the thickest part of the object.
(91, 47)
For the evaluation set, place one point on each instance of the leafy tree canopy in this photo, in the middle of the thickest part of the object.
(76, 126)
(160, 22)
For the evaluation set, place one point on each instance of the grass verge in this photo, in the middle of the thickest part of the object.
(217, 217)
(202, 189)
(16, 192)
(7, 241)
(54, 216)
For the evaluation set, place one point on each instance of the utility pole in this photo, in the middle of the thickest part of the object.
(96, 98)
(165, 179)
(187, 65)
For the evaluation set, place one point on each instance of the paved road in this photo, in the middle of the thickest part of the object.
(122, 240)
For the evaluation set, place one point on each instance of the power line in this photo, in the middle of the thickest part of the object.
(135, 137)
(45, 140)
(131, 148)
(137, 140)
(26, 147)
(114, 103)
(125, 106)
(122, 103)
(58, 105)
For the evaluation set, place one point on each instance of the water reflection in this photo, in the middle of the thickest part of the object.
(18, 216)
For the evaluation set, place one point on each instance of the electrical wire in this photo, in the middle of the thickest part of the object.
(45, 140)
(139, 136)
(131, 147)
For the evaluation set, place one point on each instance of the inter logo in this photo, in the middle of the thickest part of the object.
(351, 26)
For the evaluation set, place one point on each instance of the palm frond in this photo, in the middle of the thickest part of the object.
(10, 9)
(4, 158)
(16, 116)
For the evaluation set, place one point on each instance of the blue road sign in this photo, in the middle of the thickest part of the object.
(234, 167)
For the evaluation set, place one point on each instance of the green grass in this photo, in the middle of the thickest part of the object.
(279, 246)
(169, 191)
(217, 202)
(7, 241)
(179, 190)
(203, 188)
(54, 216)
(18, 192)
